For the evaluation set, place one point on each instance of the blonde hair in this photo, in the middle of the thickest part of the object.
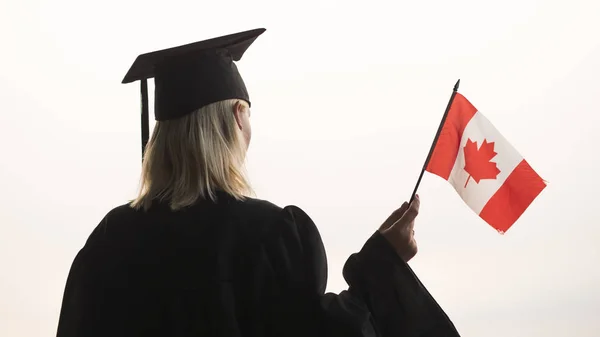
(190, 158)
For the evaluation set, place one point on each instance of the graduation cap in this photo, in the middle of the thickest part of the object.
(191, 76)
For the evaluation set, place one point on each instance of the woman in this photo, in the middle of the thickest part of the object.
(193, 255)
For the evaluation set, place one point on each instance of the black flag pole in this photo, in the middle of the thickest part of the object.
(145, 118)
(435, 139)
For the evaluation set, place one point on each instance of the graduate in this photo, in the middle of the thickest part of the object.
(195, 255)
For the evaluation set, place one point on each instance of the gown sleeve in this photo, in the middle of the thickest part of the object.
(384, 298)
(81, 307)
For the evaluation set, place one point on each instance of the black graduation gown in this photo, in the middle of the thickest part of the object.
(236, 268)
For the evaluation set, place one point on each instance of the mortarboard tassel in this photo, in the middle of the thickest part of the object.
(145, 118)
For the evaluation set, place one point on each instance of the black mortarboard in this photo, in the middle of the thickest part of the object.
(191, 76)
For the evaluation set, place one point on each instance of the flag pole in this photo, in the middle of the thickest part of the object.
(435, 139)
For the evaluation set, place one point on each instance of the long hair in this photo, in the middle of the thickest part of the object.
(188, 159)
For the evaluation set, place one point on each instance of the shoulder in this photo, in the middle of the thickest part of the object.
(292, 227)
(255, 208)
(117, 215)
(267, 209)
(276, 219)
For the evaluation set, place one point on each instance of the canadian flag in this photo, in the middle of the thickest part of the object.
(488, 173)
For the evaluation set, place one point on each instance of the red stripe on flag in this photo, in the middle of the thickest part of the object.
(517, 192)
(447, 146)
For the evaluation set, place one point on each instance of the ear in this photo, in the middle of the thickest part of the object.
(238, 111)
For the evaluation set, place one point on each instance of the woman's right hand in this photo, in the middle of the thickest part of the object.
(398, 229)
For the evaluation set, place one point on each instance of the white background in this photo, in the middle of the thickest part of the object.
(346, 99)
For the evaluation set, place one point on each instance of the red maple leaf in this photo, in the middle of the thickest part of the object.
(477, 161)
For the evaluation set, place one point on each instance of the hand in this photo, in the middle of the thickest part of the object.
(398, 229)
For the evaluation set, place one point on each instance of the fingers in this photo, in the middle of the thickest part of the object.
(405, 215)
(400, 211)
(393, 218)
(412, 211)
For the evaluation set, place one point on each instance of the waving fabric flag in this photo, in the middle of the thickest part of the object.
(488, 173)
